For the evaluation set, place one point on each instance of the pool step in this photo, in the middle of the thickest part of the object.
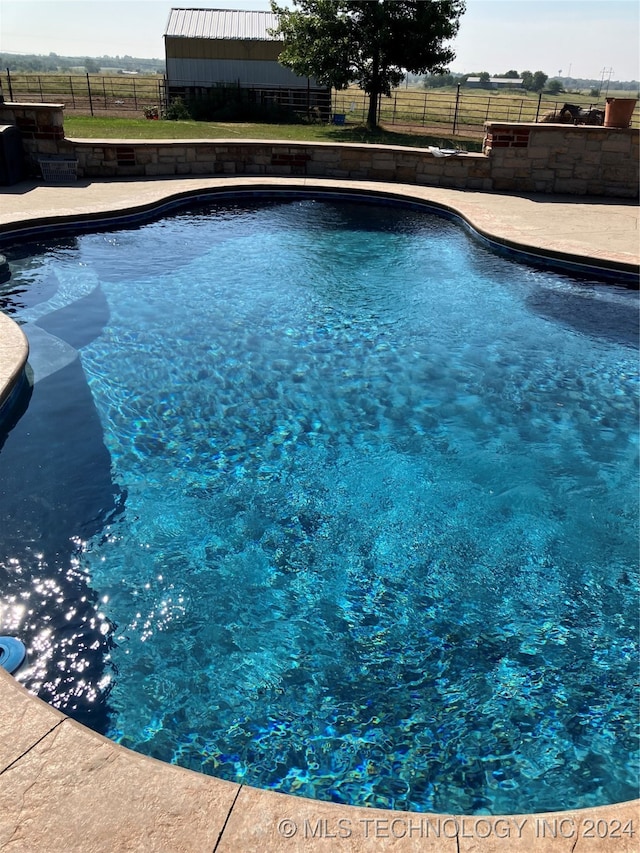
(47, 353)
(71, 288)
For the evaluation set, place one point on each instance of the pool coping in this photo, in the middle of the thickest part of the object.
(65, 787)
(14, 351)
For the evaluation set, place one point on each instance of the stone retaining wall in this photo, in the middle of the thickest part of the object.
(516, 157)
(207, 158)
(560, 158)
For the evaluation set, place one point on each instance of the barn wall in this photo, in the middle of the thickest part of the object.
(204, 62)
(253, 49)
(207, 72)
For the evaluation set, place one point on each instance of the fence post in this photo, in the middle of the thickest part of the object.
(104, 93)
(135, 97)
(455, 114)
(538, 108)
(40, 87)
(162, 93)
(89, 91)
(395, 103)
(73, 97)
(9, 85)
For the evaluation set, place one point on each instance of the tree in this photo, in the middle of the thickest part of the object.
(534, 82)
(91, 65)
(370, 42)
(539, 80)
(512, 75)
(485, 79)
(555, 87)
(527, 80)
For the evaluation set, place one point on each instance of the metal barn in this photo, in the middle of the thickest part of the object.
(231, 49)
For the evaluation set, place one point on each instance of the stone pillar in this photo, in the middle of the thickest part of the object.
(41, 127)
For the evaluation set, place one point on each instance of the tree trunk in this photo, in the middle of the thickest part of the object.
(372, 116)
(374, 91)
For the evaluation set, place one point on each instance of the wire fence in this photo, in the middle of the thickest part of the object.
(88, 93)
(461, 111)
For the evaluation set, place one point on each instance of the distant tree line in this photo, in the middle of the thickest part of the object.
(531, 81)
(36, 63)
(536, 81)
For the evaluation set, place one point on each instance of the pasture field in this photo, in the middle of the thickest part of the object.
(453, 110)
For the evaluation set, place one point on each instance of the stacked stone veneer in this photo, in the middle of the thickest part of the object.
(516, 157)
(359, 162)
(41, 127)
(560, 158)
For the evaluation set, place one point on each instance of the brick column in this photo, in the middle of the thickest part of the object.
(505, 136)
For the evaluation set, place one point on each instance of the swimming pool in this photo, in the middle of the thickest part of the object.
(361, 516)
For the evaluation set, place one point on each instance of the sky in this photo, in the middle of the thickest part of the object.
(593, 39)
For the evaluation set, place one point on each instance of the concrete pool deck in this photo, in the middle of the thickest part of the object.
(65, 788)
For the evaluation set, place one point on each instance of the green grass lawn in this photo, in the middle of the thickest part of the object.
(98, 127)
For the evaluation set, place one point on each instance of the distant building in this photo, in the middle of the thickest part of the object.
(495, 83)
(208, 48)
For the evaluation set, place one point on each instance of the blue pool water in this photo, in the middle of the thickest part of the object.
(325, 497)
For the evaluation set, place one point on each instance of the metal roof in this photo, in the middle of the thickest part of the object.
(221, 24)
